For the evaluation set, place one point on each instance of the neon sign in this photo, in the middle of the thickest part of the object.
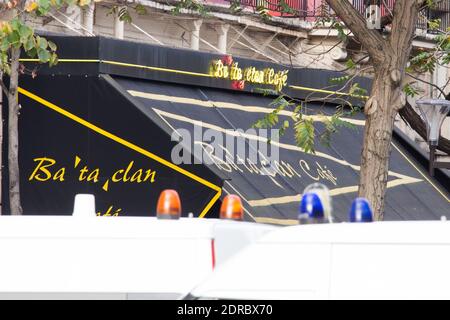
(226, 68)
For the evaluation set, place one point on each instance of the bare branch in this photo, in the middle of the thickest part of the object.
(371, 40)
(427, 82)
(4, 88)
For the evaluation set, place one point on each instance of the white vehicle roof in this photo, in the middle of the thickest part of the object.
(103, 227)
(377, 232)
(339, 261)
(114, 256)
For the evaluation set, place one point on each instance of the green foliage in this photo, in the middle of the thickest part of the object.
(356, 91)
(340, 28)
(434, 24)
(263, 12)
(305, 134)
(431, 3)
(333, 124)
(410, 90)
(350, 64)
(339, 80)
(140, 9)
(284, 7)
(442, 50)
(190, 5)
(124, 14)
(303, 126)
(271, 119)
(423, 62)
(235, 6)
(16, 34)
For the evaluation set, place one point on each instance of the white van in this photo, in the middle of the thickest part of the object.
(386, 260)
(57, 257)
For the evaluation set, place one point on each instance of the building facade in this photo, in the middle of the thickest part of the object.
(292, 32)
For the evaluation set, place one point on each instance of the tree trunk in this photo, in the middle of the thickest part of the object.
(381, 111)
(13, 136)
(389, 56)
(1, 144)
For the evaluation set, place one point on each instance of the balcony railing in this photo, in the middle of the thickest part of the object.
(312, 9)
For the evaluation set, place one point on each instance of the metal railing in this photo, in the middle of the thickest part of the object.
(311, 9)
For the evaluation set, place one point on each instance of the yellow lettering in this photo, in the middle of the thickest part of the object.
(82, 174)
(218, 69)
(94, 175)
(150, 174)
(251, 74)
(225, 72)
(127, 171)
(114, 177)
(59, 175)
(137, 176)
(41, 167)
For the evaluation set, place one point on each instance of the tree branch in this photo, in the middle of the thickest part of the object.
(406, 13)
(4, 88)
(429, 83)
(371, 40)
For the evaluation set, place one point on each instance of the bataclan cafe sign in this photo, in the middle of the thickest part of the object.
(226, 68)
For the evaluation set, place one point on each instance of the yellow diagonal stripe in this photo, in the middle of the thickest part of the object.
(128, 145)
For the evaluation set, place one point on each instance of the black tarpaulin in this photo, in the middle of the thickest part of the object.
(83, 135)
(109, 114)
(275, 198)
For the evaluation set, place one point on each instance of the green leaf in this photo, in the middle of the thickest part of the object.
(434, 24)
(286, 8)
(52, 46)
(53, 60)
(29, 44)
(140, 9)
(350, 64)
(338, 80)
(32, 53)
(25, 31)
(4, 44)
(14, 38)
(235, 6)
(43, 44)
(410, 91)
(44, 5)
(43, 55)
(305, 134)
(15, 24)
(357, 91)
(124, 15)
(83, 3)
(190, 5)
(339, 122)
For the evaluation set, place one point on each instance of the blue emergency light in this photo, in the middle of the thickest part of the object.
(361, 211)
(311, 206)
